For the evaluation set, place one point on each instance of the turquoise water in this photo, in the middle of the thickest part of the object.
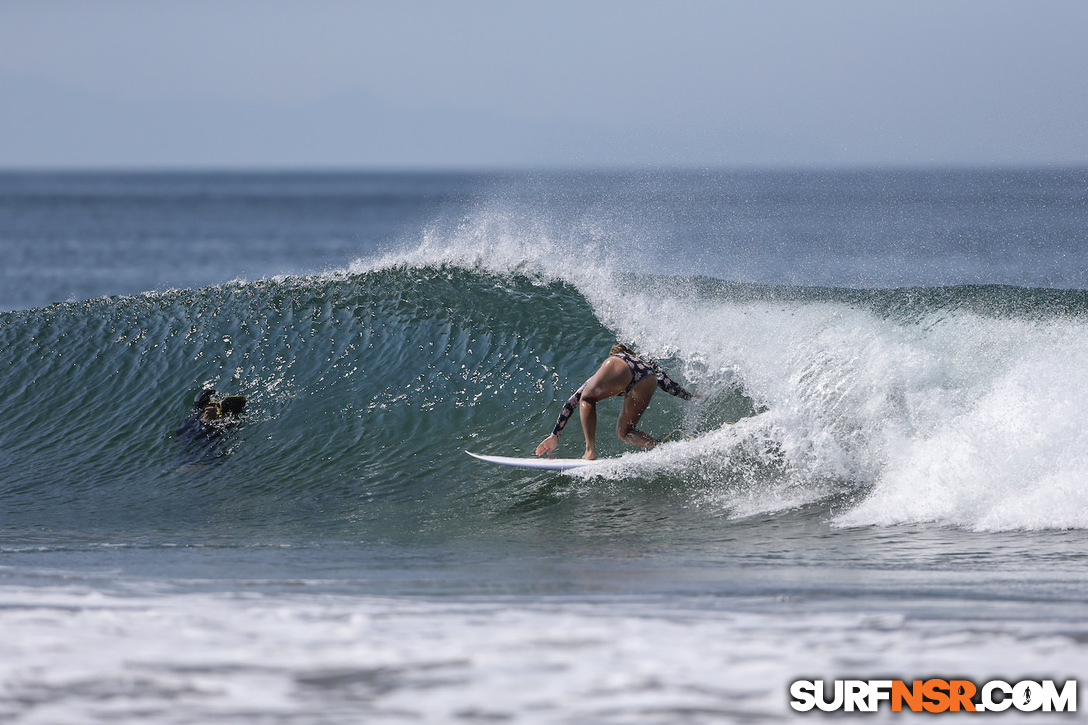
(885, 474)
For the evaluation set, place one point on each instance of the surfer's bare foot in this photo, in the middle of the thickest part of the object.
(589, 456)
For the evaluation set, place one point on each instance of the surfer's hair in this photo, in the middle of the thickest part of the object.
(620, 349)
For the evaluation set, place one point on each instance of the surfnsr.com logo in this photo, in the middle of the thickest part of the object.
(934, 695)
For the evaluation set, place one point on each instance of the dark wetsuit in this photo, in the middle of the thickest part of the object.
(194, 429)
(639, 369)
(203, 441)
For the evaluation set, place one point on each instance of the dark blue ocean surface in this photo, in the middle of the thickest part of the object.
(80, 235)
(884, 474)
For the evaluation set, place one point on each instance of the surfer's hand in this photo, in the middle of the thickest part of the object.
(548, 445)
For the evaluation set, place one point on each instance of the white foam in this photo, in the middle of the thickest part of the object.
(82, 656)
(957, 419)
(1015, 458)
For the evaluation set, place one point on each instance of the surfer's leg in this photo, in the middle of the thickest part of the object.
(587, 410)
(634, 405)
(610, 379)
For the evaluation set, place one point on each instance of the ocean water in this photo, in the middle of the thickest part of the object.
(885, 477)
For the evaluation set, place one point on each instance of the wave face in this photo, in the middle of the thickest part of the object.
(955, 405)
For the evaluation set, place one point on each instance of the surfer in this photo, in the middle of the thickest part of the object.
(200, 424)
(211, 417)
(622, 373)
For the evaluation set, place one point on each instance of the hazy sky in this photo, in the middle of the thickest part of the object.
(279, 84)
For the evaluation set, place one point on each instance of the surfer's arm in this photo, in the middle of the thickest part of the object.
(568, 409)
(549, 444)
(672, 387)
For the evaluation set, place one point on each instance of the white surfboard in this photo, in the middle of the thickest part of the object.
(544, 464)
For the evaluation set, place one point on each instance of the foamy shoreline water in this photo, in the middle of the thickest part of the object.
(84, 657)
